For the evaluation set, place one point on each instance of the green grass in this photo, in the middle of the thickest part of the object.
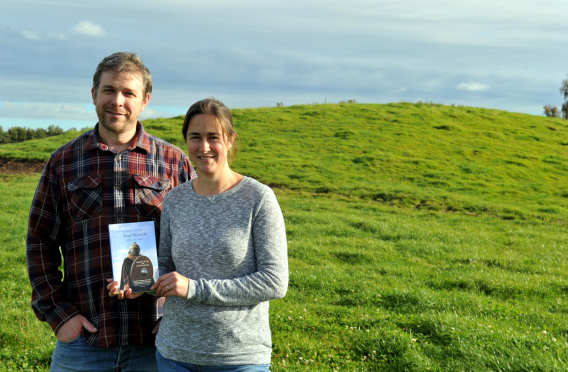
(421, 237)
(410, 290)
(459, 159)
(26, 342)
(35, 150)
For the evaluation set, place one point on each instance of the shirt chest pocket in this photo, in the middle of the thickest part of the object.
(149, 195)
(86, 199)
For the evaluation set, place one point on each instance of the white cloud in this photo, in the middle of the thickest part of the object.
(88, 28)
(54, 111)
(36, 110)
(149, 113)
(30, 35)
(35, 36)
(56, 36)
(473, 87)
(400, 90)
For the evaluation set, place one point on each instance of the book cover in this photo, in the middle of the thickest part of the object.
(134, 255)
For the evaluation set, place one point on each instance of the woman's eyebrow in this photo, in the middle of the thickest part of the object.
(198, 134)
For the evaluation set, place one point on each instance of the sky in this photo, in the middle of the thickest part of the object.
(508, 55)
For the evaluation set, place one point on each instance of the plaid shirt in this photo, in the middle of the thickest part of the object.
(85, 187)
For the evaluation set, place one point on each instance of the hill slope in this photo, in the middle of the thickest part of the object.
(457, 159)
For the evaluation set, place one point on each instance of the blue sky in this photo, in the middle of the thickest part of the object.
(508, 55)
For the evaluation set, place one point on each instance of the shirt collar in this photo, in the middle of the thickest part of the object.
(140, 140)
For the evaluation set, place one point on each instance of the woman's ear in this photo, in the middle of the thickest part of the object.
(231, 140)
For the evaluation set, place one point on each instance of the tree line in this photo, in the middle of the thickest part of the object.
(21, 134)
(555, 112)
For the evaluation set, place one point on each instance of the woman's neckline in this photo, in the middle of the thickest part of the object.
(233, 189)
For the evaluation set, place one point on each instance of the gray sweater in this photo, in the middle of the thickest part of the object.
(232, 247)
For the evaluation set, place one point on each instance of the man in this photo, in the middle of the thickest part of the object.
(116, 173)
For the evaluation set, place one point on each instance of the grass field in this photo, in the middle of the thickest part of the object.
(421, 237)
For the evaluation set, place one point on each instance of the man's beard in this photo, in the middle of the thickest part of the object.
(114, 126)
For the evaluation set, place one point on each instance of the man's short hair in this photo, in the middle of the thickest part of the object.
(123, 63)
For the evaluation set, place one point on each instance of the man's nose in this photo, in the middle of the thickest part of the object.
(118, 99)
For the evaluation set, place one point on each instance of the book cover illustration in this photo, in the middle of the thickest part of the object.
(134, 255)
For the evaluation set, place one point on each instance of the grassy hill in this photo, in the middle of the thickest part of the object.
(424, 156)
(421, 237)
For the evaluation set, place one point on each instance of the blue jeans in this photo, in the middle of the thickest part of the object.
(168, 365)
(78, 355)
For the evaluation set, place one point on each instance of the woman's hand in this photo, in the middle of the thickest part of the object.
(172, 284)
(126, 293)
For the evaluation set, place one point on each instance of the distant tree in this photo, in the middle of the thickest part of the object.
(20, 134)
(564, 93)
(17, 134)
(41, 133)
(54, 130)
(30, 134)
(551, 111)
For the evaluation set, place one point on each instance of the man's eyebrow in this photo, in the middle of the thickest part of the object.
(114, 87)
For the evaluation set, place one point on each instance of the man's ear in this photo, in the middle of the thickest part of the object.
(146, 101)
(94, 96)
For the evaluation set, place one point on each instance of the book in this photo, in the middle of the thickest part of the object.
(134, 255)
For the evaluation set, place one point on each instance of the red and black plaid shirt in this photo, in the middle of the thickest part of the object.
(85, 187)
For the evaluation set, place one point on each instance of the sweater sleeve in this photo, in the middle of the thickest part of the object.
(270, 281)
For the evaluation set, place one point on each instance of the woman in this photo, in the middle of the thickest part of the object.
(222, 257)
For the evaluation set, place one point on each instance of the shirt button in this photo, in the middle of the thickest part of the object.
(118, 158)
(117, 187)
(119, 214)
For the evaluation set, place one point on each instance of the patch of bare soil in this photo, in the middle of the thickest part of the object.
(8, 166)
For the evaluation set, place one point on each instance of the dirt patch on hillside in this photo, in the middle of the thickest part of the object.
(8, 166)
